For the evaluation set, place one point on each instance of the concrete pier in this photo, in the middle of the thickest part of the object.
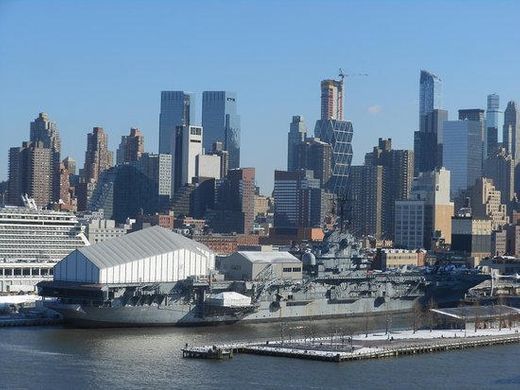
(374, 346)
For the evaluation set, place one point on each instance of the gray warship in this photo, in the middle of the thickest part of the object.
(337, 282)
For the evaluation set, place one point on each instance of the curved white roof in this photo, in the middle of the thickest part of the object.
(139, 245)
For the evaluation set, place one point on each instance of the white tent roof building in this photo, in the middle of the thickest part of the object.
(152, 255)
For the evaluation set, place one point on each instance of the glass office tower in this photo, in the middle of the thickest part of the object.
(221, 123)
(177, 109)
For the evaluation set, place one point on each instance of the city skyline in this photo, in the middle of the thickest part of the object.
(77, 95)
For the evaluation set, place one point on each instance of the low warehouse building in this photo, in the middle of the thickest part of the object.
(251, 265)
(152, 255)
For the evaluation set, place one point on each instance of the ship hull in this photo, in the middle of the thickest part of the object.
(191, 316)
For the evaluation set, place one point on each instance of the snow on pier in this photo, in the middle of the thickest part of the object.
(370, 346)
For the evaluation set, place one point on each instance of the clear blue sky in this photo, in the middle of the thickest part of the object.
(104, 63)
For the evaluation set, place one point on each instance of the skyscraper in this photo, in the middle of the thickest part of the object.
(332, 100)
(511, 131)
(477, 115)
(316, 155)
(46, 132)
(500, 167)
(97, 157)
(428, 142)
(177, 109)
(222, 123)
(430, 96)
(188, 145)
(492, 122)
(375, 187)
(462, 154)
(131, 147)
(297, 134)
(297, 200)
(30, 171)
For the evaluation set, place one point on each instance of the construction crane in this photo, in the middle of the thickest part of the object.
(342, 74)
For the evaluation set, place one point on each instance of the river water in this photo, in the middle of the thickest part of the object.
(61, 358)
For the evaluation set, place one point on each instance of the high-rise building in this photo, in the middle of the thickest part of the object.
(30, 173)
(462, 154)
(315, 155)
(131, 147)
(222, 123)
(485, 202)
(207, 165)
(493, 114)
(338, 134)
(46, 132)
(235, 203)
(188, 145)
(511, 131)
(477, 115)
(500, 167)
(430, 96)
(297, 200)
(428, 142)
(374, 189)
(366, 197)
(332, 100)
(297, 134)
(124, 192)
(97, 157)
(177, 109)
(425, 217)
(70, 165)
(158, 168)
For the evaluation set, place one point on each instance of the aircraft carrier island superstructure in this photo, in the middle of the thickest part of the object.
(155, 277)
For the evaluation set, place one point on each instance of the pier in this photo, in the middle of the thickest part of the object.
(362, 347)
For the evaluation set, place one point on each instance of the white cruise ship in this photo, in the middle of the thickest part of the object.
(32, 241)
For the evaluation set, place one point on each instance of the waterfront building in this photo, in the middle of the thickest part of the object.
(131, 147)
(30, 234)
(511, 131)
(44, 131)
(31, 173)
(397, 258)
(500, 167)
(485, 202)
(462, 154)
(296, 136)
(153, 255)
(221, 123)
(177, 109)
(493, 115)
(188, 145)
